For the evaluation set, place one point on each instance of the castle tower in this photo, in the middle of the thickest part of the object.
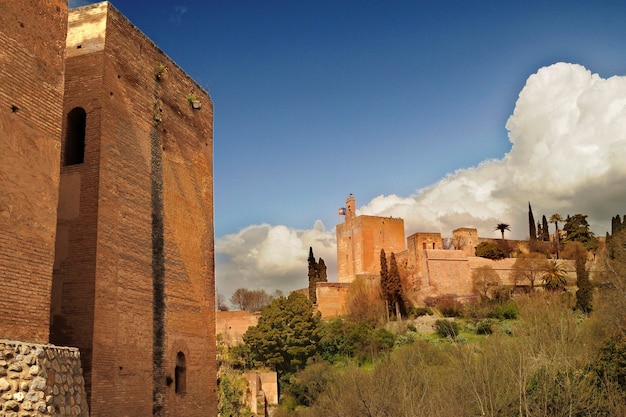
(32, 35)
(350, 207)
(133, 284)
(360, 240)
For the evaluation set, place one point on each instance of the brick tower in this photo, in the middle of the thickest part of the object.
(360, 240)
(31, 100)
(133, 283)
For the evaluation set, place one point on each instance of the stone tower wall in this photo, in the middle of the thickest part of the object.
(360, 240)
(136, 236)
(31, 97)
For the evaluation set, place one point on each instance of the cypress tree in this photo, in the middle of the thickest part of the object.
(584, 294)
(544, 229)
(313, 276)
(321, 271)
(396, 296)
(531, 224)
(384, 278)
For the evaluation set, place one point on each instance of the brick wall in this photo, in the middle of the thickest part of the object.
(332, 298)
(445, 272)
(135, 268)
(233, 324)
(31, 94)
(360, 240)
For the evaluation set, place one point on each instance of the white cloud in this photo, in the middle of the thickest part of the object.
(271, 257)
(568, 156)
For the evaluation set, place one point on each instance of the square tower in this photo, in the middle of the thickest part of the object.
(133, 284)
(360, 240)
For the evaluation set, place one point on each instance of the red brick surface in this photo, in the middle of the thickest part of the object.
(127, 271)
(31, 91)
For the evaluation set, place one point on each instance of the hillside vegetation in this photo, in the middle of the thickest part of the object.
(534, 354)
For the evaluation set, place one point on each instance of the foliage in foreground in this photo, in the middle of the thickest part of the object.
(552, 365)
(286, 334)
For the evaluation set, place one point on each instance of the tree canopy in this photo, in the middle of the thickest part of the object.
(577, 230)
(502, 227)
(490, 250)
(251, 300)
(286, 335)
(554, 276)
(317, 273)
(529, 267)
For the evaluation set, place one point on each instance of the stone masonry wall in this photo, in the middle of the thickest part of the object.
(40, 380)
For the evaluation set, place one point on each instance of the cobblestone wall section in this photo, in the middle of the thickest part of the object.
(40, 380)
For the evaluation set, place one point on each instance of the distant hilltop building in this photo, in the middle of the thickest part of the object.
(428, 269)
(106, 219)
(360, 240)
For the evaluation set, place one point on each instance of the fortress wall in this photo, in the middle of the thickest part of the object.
(233, 324)
(332, 298)
(446, 272)
(502, 267)
(31, 98)
(42, 380)
(418, 242)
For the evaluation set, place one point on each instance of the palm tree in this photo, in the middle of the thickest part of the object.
(556, 218)
(502, 227)
(554, 277)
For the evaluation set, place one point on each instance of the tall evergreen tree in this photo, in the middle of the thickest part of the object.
(532, 230)
(584, 294)
(384, 277)
(577, 229)
(321, 271)
(312, 276)
(396, 295)
(286, 335)
(545, 232)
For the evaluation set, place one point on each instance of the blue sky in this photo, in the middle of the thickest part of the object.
(390, 100)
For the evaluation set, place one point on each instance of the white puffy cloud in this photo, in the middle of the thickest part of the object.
(568, 156)
(271, 257)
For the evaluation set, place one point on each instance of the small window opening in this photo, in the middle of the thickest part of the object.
(433, 245)
(79, 46)
(180, 374)
(75, 137)
(423, 245)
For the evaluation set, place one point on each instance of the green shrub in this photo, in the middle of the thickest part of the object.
(420, 311)
(447, 304)
(490, 250)
(484, 326)
(447, 328)
(509, 311)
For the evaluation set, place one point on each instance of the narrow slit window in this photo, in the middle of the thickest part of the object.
(180, 374)
(75, 137)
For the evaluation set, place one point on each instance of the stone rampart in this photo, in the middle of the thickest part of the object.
(233, 324)
(331, 298)
(41, 380)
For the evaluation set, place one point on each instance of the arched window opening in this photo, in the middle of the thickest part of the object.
(75, 137)
(180, 374)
